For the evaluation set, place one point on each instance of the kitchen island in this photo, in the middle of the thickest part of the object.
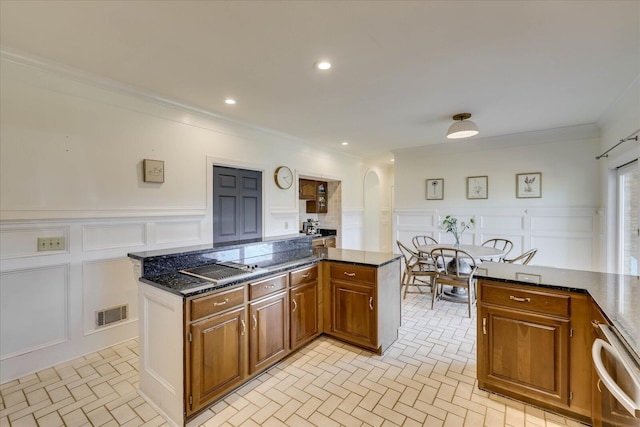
(201, 338)
(536, 326)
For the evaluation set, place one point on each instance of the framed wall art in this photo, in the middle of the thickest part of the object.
(153, 170)
(477, 187)
(528, 185)
(435, 189)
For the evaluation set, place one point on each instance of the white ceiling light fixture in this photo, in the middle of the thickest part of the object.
(322, 65)
(345, 143)
(230, 101)
(462, 128)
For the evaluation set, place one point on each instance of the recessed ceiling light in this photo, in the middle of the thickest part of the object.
(393, 160)
(345, 143)
(230, 101)
(322, 65)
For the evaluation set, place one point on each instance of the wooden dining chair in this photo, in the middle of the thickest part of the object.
(458, 271)
(423, 241)
(502, 244)
(416, 270)
(523, 258)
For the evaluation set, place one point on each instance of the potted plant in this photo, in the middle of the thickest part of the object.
(451, 225)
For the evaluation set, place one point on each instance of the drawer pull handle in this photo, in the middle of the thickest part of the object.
(371, 303)
(255, 322)
(306, 275)
(295, 305)
(346, 273)
(269, 286)
(217, 304)
(244, 327)
(484, 326)
(517, 299)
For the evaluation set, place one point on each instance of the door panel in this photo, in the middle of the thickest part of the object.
(237, 204)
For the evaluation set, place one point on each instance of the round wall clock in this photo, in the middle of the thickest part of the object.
(283, 177)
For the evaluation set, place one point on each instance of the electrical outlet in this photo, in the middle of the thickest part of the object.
(50, 244)
(286, 225)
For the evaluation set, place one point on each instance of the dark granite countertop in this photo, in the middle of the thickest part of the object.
(618, 296)
(273, 263)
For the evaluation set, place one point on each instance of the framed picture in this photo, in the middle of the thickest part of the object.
(528, 185)
(435, 189)
(477, 187)
(153, 170)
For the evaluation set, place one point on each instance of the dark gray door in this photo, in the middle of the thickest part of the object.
(237, 204)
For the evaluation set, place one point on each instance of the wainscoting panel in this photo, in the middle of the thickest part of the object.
(23, 242)
(502, 222)
(569, 252)
(572, 224)
(112, 236)
(108, 283)
(34, 310)
(178, 231)
(565, 238)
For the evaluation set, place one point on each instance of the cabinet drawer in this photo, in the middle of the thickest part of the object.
(353, 273)
(526, 299)
(204, 306)
(306, 274)
(267, 286)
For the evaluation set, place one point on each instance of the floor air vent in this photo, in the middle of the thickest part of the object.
(112, 315)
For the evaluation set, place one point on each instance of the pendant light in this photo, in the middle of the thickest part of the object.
(462, 128)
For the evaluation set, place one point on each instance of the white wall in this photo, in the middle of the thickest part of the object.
(562, 224)
(71, 147)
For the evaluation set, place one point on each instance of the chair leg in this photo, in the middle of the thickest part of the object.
(434, 292)
(406, 285)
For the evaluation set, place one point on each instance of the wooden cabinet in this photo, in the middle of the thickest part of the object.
(303, 298)
(217, 357)
(202, 347)
(216, 346)
(324, 242)
(363, 304)
(353, 304)
(528, 348)
(316, 195)
(307, 189)
(269, 319)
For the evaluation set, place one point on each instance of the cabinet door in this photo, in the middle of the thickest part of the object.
(321, 197)
(217, 356)
(304, 313)
(307, 189)
(524, 353)
(269, 331)
(353, 314)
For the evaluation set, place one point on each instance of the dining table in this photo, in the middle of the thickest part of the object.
(477, 252)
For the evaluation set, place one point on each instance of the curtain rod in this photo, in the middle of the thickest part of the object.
(632, 137)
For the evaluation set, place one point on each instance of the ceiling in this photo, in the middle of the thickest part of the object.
(401, 69)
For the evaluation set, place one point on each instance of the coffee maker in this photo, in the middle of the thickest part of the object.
(310, 226)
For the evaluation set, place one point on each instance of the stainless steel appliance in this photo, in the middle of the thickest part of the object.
(224, 272)
(310, 226)
(616, 395)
